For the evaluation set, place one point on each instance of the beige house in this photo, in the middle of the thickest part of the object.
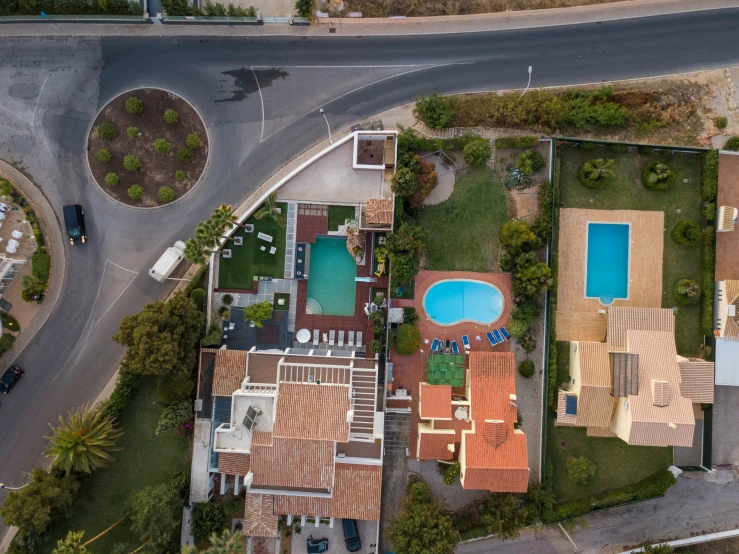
(635, 386)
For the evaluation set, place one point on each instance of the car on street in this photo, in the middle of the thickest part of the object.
(10, 378)
(74, 222)
(351, 535)
(317, 546)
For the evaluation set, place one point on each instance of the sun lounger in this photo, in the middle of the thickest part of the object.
(491, 338)
(350, 342)
(506, 335)
(359, 339)
(434, 345)
(316, 336)
(341, 338)
(455, 348)
(331, 337)
(466, 342)
(498, 336)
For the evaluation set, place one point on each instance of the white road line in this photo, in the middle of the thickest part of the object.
(16, 115)
(261, 98)
(120, 266)
(116, 299)
(278, 66)
(39, 98)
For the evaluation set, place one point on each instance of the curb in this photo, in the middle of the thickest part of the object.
(55, 247)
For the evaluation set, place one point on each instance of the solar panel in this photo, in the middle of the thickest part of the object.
(252, 417)
(571, 405)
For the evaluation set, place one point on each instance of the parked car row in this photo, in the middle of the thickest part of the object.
(351, 539)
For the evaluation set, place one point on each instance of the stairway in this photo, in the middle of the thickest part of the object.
(312, 307)
(364, 398)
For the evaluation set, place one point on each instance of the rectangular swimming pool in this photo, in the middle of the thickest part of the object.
(607, 266)
(331, 286)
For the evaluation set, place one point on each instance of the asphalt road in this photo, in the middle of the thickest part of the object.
(260, 99)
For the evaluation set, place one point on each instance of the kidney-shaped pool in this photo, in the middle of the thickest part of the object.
(459, 300)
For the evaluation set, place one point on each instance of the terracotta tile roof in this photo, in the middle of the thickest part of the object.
(727, 244)
(501, 468)
(562, 416)
(621, 320)
(595, 367)
(260, 519)
(594, 407)
(730, 324)
(436, 401)
(229, 371)
(233, 464)
(313, 412)
(660, 393)
(434, 446)
(379, 211)
(696, 381)
(495, 432)
(356, 495)
(261, 438)
(293, 463)
(594, 402)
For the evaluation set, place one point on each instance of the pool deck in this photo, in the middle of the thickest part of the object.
(577, 316)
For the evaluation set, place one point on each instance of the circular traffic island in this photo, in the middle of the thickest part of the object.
(147, 148)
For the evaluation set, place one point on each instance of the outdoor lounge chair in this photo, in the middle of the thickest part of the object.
(341, 338)
(350, 342)
(316, 336)
(466, 342)
(331, 337)
(455, 349)
(506, 335)
(440, 346)
(434, 345)
(359, 339)
(498, 336)
(491, 338)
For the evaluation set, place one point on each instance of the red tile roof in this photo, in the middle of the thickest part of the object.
(436, 401)
(434, 446)
(294, 463)
(229, 371)
(311, 411)
(501, 467)
(233, 464)
(260, 519)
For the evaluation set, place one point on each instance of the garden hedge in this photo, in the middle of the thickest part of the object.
(525, 141)
(709, 179)
(708, 269)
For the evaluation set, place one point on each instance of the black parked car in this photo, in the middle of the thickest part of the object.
(351, 535)
(10, 378)
(317, 546)
(74, 221)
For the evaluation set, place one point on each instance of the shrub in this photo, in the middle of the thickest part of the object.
(709, 211)
(131, 163)
(410, 316)
(112, 179)
(525, 141)
(134, 106)
(161, 145)
(136, 192)
(6, 187)
(527, 341)
(171, 116)
(687, 292)
(404, 182)
(720, 122)
(477, 153)
(709, 179)
(208, 518)
(580, 471)
(6, 342)
(686, 232)
(530, 161)
(435, 111)
(451, 475)
(179, 175)
(708, 263)
(527, 368)
(587, 146)
(517, 327)
(732, 144)
(227, 299)
(517, 235)
(198, 296)
(133, 132)
(407, 340)
(375, 346)
(9, 322)
(41, 265)
(596, 173)
(192, 141)
(108, 131)
(532, 277)
(103, 155)
(165, 194)
(124, 391)
(184, 154)
(528, 309)
(304, 7)
(644, 150)
(618, 148)
(657, 176)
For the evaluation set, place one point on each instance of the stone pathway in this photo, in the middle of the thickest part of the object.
(292, 219)
(394, 471)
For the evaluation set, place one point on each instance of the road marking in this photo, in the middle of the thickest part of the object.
(121, 267)
(16, 115)
(261, 98)
(39, 98)
(278, 66)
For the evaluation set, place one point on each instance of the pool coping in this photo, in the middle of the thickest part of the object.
(461, 321)
(628, 264)
(308, 279)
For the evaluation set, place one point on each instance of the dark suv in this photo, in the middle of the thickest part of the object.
(351, 535)
(10, 378)
(74, 221)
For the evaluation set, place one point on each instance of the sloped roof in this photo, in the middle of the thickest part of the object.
(696, 381)
(594, 404)
(562, 416)
(434, 446)
(307, 464)
(260, 519)
(625, 373)
(313, 412)
(594, 407)
(621, 320)
(233, 464)
(594, 364)
(436, 401)
(379, 211)
(229, 371)
(731, 323)
(727, 244)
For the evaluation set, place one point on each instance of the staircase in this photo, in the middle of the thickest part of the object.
(364, 399)
(312, 307)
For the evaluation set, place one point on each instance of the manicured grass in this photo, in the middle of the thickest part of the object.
(337, 215)
(144, 460)
(248, 261)
(618, 464)
(281, 296)
(463, 232)
(627, 193)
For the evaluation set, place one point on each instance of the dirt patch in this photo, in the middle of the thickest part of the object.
(156, 169)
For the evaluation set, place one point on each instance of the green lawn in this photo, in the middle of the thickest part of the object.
(337, 215)
(144, 460)
(618, 464)
(627, 193)
(463, 232)
(248, 261)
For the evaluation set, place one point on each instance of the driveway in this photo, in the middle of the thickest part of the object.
(725, 448)
(335, 536)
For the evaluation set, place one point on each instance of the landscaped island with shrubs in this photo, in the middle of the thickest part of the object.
(147, 148)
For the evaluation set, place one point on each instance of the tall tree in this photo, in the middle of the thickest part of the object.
(257, 313)
(224, 216)
(196, 252)
(71, 544)
(272, 210)
(506, 514)
(226, 543)
(161, 339)
(153, 515)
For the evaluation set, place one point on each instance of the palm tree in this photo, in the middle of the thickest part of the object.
(224, 312)
(71, 544)
(223, 215)
(226, 543)
(271, 209)
(84, 440)
(189, 550)
(208, 233)
(196, 252)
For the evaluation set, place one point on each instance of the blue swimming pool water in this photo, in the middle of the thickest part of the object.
(608, 261)
(331, 276)
(453, 301)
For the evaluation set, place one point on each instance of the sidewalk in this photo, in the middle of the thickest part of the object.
(626, 9)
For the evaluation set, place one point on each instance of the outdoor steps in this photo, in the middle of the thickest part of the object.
(312, 307)
(397, 431)
(363, 399)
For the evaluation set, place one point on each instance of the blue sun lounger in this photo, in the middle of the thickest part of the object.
(491, 338)
(434, 345)
(506, 335)
(466, 342)
(440, 347)
(498, 336)
(455, 348)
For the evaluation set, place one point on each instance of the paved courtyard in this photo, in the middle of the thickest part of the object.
(335, 536)
(725, 446)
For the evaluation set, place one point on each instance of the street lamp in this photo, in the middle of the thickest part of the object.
(330, 140)
(6, 488)
(529, 83)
